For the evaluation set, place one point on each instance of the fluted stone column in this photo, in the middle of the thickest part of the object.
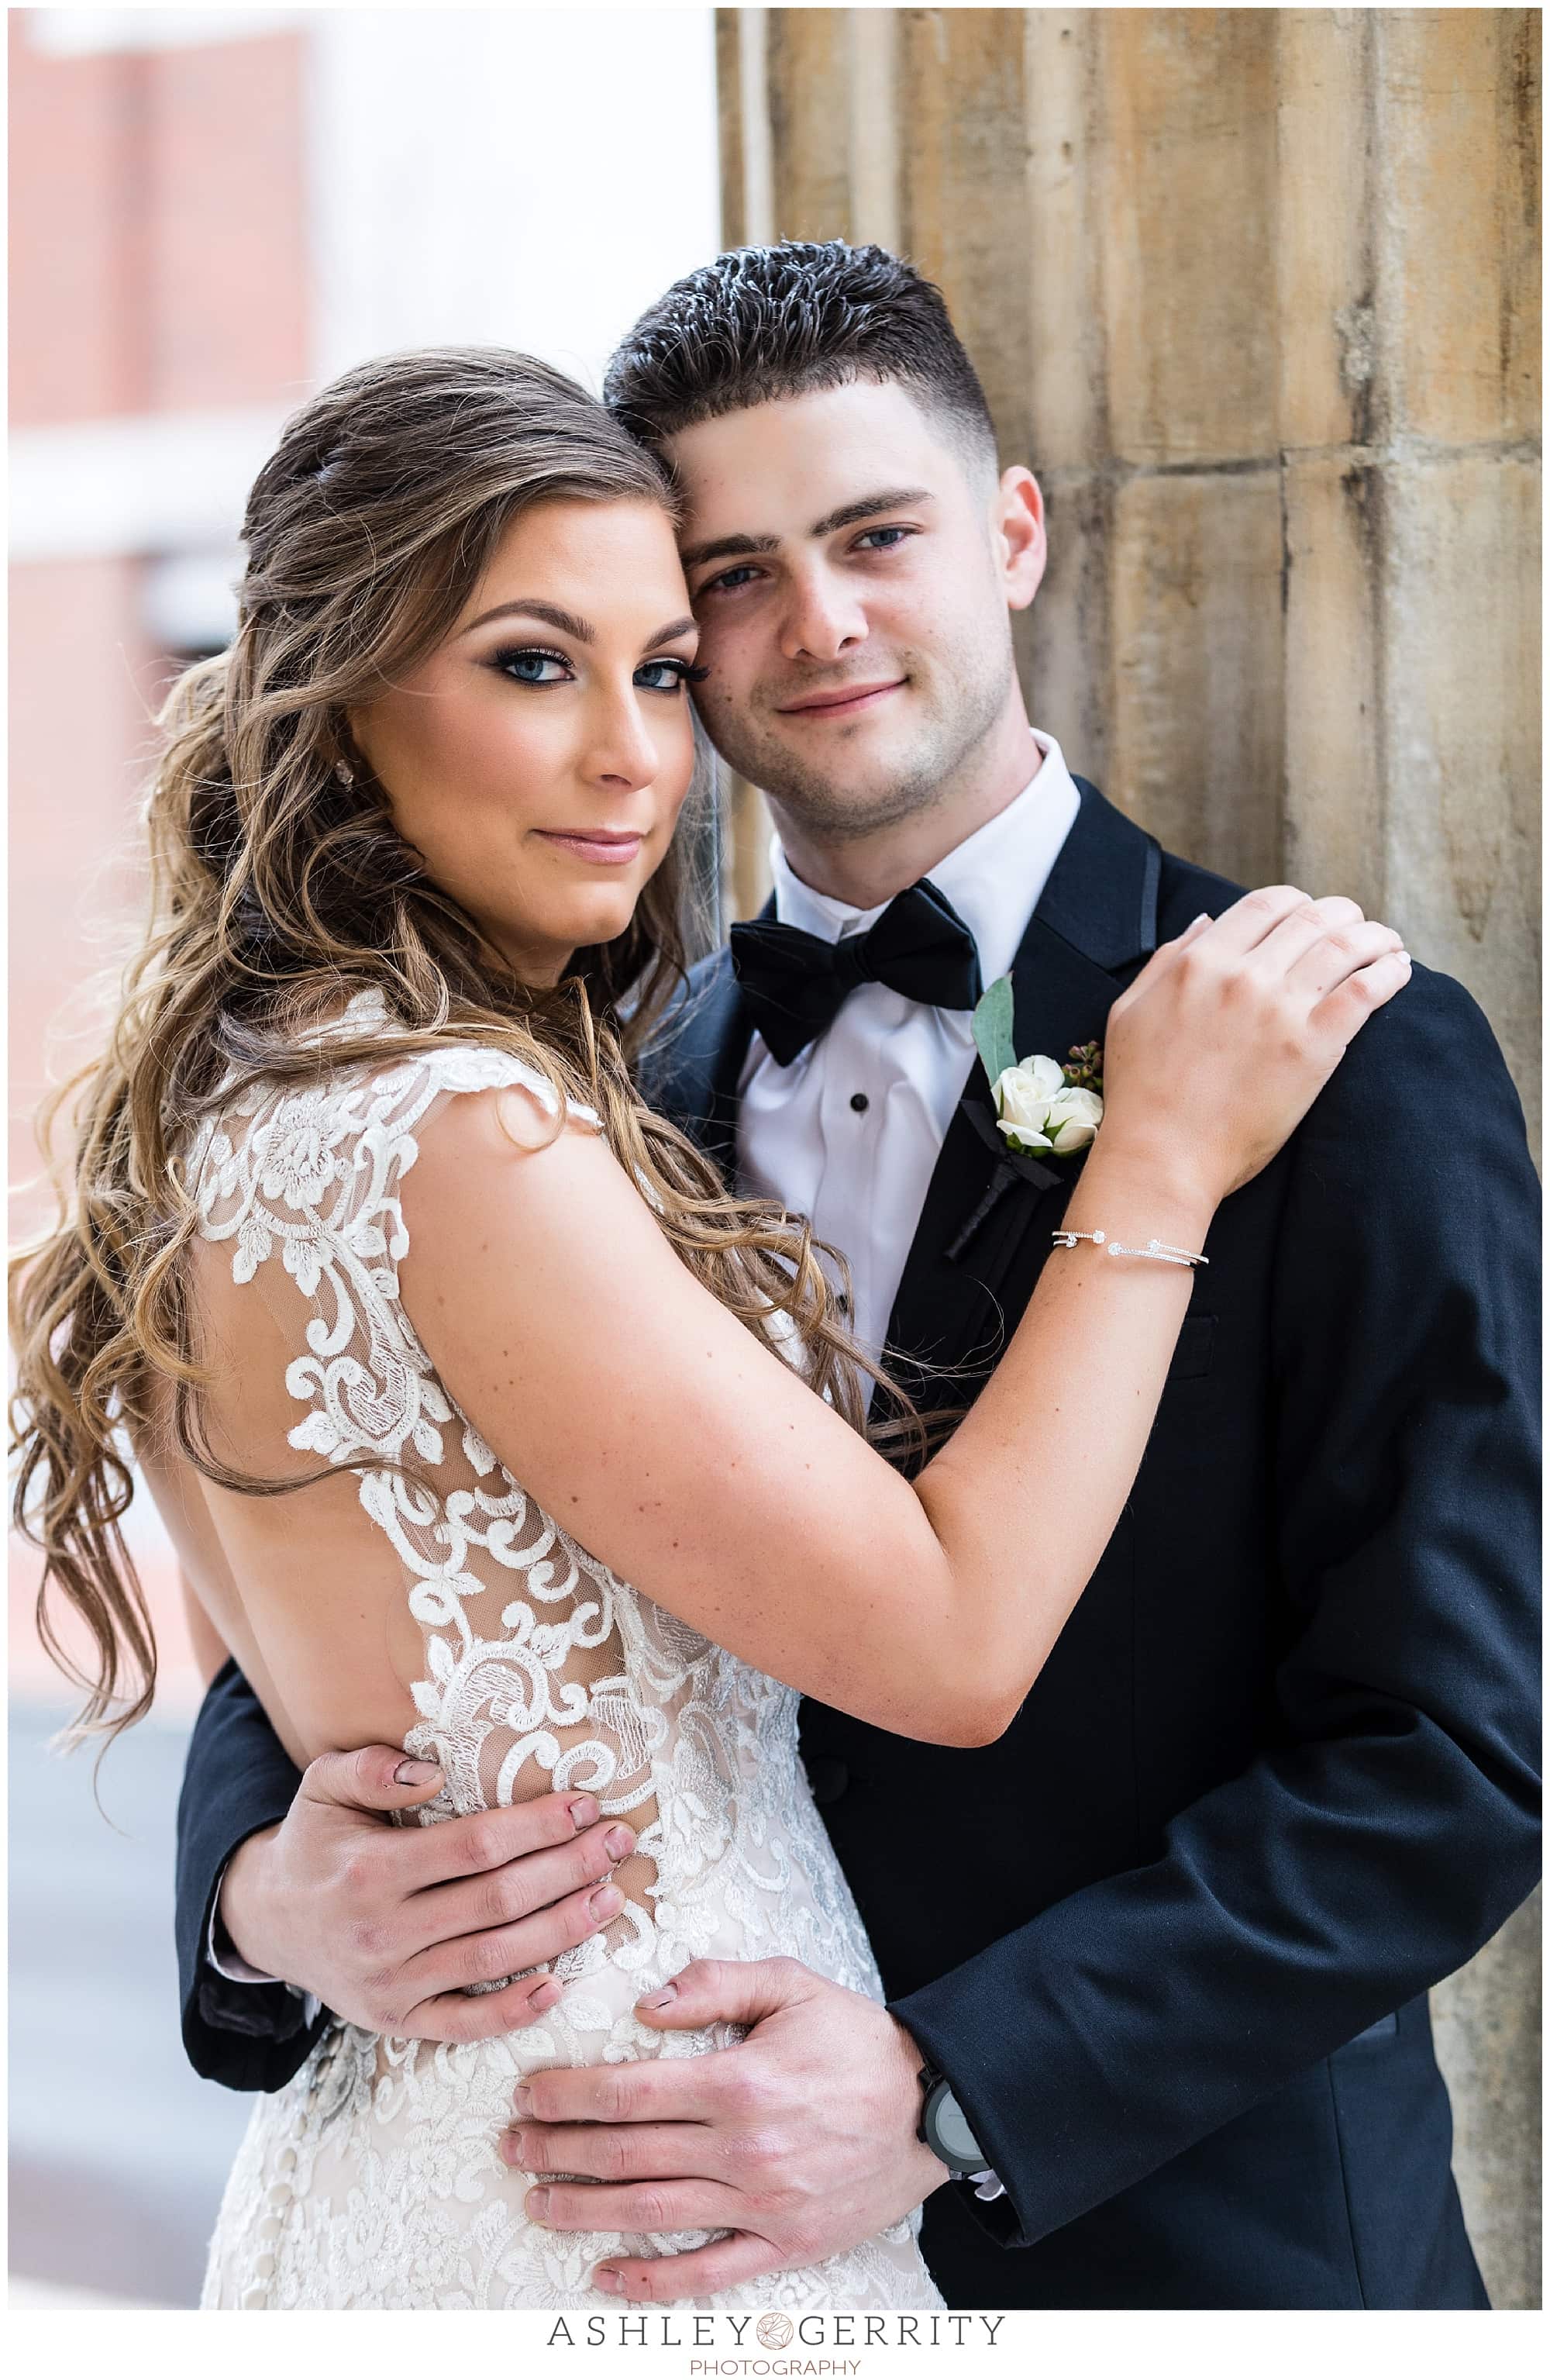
(1255, 292)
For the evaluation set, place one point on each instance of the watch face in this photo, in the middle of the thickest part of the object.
(951, 2128)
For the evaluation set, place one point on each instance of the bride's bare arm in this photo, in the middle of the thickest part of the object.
(700, 1466)
(209, 1647)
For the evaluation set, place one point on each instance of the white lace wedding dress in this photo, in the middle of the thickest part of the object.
(372, 2179)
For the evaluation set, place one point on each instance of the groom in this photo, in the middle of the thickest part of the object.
(1157, 1961)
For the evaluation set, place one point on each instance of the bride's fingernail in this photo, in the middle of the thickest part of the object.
(417, 1772)
(522, 2100)
(664, 1999)
(544, 1998)
(537, 2204)
(613, 2282)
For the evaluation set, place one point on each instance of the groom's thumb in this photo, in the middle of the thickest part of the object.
(730, 1991)
(376, 1777)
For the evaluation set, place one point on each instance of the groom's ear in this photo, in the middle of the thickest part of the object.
(1017, 526)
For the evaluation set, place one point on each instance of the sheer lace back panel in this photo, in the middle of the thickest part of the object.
(518, 1662)
(521, 1685)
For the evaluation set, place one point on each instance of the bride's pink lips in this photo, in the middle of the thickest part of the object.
(843, 703)
(599, 844)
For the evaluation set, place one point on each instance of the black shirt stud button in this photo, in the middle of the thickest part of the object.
(860, 1102)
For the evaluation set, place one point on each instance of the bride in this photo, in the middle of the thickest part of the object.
(483, 1418)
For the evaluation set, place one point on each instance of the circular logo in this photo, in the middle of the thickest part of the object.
(773, 2331)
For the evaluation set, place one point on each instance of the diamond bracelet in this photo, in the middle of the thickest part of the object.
(1159, 1250)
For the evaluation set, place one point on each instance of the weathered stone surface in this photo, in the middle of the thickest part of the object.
(1458, 94)
(1333, 837)
(960, 86)
(1257, 293)
(1188, 128)
(1324, 245)
(810, 110)
(874, 126)
(1065, 642)
(729, 115)
(1067, 361)
(1487, 2023)
(1196, 606)
(1460, 605)
(747, 849)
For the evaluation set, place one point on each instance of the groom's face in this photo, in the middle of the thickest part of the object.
(850, 563)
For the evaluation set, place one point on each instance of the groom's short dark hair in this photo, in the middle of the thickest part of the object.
(766, 323)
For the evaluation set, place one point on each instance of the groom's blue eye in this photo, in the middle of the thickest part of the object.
(895, 537)
(728, 578)
(532, 666)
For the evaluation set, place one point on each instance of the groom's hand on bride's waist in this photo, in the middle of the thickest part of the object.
(388, 1926)
(800, 2142)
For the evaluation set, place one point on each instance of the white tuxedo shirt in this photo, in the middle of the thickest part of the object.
(849, 1133)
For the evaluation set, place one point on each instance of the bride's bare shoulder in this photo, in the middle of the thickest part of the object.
(508, 1163)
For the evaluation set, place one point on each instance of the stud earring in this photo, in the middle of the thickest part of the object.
(345, 773)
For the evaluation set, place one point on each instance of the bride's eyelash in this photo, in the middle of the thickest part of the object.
(689, 673)
(507, 654)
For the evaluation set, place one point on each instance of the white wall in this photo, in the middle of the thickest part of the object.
(527, 177)
(82, 33)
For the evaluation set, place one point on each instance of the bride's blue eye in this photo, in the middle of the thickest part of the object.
(532, 666)
(679, 674)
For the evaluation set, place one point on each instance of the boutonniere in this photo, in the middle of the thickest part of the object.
(1042, 1107)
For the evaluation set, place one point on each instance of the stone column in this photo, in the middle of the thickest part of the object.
(1256, 293)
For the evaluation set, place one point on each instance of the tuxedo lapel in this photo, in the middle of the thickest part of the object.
(734, 1033)
(693, 1066)
(1094, 923)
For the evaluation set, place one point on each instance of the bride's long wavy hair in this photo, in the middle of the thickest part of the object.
(277, 890)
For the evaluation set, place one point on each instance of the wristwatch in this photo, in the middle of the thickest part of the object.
(944, 2127)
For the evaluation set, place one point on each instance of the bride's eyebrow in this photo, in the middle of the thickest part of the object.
(570, 623)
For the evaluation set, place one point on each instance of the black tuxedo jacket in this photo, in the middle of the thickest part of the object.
(1171, 1937)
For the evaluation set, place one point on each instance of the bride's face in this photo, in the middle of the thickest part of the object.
(537, 760)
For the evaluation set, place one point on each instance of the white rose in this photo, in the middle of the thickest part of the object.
(1038, 1108)
(1073, 1117)
(1023, 1096)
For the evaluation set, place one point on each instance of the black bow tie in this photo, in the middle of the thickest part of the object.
(795, 984)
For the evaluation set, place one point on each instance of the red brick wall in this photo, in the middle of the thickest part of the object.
(159, 255)
(225, 229)
(67, 175)
(83, 688)
(159, 261)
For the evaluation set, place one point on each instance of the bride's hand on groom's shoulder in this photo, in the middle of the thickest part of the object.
(1221, 1046)
(800, 2142)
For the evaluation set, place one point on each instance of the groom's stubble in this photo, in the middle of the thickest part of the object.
(959, 695)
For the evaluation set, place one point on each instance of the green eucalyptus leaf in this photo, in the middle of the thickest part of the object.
(993, 1029)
